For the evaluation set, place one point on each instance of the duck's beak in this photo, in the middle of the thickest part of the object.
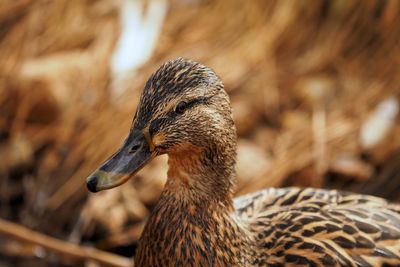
(126, 162)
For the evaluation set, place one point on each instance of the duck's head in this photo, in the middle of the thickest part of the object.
(183, 111)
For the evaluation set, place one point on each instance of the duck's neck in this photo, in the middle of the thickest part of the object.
(200, 176)
(193, 221)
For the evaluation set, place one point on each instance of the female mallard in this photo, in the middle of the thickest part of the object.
(185, 112)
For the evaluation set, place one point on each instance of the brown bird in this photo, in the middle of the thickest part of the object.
(185, 112)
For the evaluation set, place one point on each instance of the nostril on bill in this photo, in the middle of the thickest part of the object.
(134, 148)
(92, 184)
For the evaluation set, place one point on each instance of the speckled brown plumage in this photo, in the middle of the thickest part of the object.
(314, 227)
(196, 222)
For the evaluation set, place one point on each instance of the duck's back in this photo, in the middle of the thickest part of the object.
(314, 227)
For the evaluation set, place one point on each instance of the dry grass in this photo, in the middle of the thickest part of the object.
(303, 76)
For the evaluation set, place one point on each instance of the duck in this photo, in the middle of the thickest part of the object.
(184, 112)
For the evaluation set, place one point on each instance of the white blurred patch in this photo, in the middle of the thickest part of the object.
(379, 123)
(140, 29)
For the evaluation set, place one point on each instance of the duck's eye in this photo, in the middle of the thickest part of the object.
(181, 107)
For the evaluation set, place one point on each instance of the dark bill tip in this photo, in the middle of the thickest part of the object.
(91, 184)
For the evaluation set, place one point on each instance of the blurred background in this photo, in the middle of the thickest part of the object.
(314, 86)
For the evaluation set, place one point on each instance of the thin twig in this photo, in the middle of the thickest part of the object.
(25, 234)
